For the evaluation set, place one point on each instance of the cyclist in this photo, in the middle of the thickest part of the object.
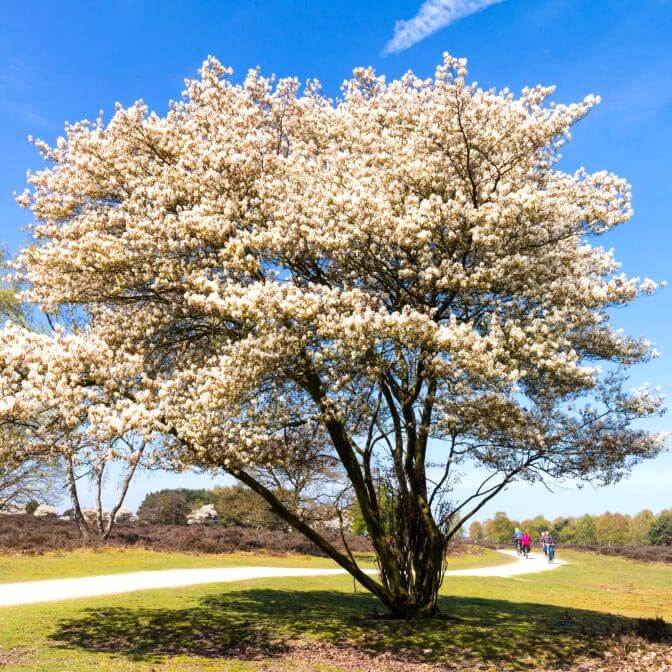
(517, 534)
(544, 541)
(526, 543)
(550, 545)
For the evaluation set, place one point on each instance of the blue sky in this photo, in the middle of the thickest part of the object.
(65, 60)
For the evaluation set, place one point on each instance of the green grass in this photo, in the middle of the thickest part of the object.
(589, 581)
(555, 616)
(477, 557)
(69, 564)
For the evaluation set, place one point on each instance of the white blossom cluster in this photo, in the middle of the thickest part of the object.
(71, 396)
(262, 254)
(204, 515)
(45, 511)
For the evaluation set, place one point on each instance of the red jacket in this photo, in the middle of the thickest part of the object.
(526, 540)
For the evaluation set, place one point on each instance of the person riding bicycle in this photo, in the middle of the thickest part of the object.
(544, 541)
(517, 535)
(526, 543)
(550, 546)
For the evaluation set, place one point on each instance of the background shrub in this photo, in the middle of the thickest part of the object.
(171, 507)
(660, 532)
(241, 507)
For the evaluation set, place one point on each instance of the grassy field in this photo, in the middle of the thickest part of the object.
(555, 618)
(114, 561)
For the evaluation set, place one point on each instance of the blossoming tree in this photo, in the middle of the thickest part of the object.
(38, 428)
(405, 267)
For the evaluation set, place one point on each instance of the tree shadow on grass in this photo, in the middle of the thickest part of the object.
(264, 623)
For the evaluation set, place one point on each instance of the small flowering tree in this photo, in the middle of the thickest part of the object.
(405, 267)
(128, 450)
(205, 515)
(39, 427)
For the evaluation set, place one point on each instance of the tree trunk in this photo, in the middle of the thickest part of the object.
(100, 470)
(408, 543)
(134, 461)
(77, 514)
(419, 549)
(410, 593)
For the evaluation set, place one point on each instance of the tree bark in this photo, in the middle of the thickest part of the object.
(135, 460)
(77, 514)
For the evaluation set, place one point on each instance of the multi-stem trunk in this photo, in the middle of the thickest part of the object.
(420, 589)
(411, 567)
(419, 548)
(408, 544)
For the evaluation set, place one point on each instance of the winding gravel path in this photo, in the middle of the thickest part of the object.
(31, 592)
(535, 563)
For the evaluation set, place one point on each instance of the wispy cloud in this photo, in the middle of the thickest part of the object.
(432, 16)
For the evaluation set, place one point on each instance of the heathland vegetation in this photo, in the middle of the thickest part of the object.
(27, 534)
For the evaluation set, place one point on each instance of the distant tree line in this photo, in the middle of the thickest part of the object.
(606, 529)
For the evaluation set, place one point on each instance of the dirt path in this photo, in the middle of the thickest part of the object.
(535, 563)
(31, 592)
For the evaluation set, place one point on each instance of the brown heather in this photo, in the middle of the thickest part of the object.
(30, 535)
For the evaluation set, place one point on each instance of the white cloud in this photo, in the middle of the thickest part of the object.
(432, 16)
